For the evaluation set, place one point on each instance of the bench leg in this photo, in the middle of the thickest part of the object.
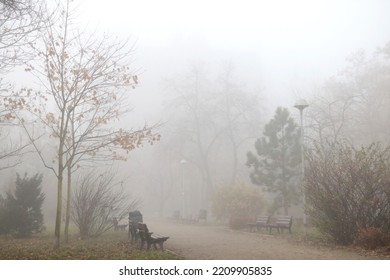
(260, 227)
(161, 244)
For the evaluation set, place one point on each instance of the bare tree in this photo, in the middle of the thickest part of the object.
(97, 201)
(354, 104)
(163, 180)
(11, 152)
(19, 23)
(211, 122)
(239, 114)
(330, 115)
(87, 80)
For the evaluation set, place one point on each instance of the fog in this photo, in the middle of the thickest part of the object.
(282, 46)
(258, 54)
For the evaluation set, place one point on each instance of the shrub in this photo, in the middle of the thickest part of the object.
(237, 202)
(97, 201)
(348, 189)
(239, 222)
(372, 238)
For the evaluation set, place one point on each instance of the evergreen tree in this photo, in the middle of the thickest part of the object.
(275, 165)
(23, 215)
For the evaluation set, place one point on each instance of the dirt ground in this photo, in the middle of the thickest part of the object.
(207, 242)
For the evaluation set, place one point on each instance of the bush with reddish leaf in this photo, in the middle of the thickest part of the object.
(240, 222)
(239, 204)
(372, 238)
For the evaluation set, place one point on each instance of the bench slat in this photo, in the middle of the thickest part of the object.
(150, 238)
(281, 222)
(261, 221)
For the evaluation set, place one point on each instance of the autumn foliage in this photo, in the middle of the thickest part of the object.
(84, 82)
(238, 203)
(372, 238)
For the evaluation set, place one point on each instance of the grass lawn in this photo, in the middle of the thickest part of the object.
(110, 246)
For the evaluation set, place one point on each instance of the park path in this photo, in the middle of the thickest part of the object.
(207, 242)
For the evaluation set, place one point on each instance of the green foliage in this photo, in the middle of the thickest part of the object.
(276, 163)
(237, 200)
(21, 213)
(348, 189)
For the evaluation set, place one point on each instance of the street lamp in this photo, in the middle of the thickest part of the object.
(182, 163)
(301, 105)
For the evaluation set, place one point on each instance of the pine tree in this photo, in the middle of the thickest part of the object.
(275, 166)
(24, 206)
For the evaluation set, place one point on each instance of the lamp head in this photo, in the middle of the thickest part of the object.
(301, 104)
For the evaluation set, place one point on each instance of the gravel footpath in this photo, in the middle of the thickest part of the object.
(206, 242)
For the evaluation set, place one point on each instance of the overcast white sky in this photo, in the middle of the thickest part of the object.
(279, 45)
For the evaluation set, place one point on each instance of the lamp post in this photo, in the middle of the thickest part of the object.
(182, 163)
(301, 105)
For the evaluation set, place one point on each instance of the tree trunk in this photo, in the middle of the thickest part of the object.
(161, 202)
(57, 232)
(285, 203)
(60, 178)
(68, 205)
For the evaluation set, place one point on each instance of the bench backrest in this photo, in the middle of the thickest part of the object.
(135, 217)
(143, 231)
(263, 220)
(284, 221)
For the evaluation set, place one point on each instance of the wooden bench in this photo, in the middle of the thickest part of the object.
(118, 226)
(150, 238)
(262, 221)
(281, 223)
